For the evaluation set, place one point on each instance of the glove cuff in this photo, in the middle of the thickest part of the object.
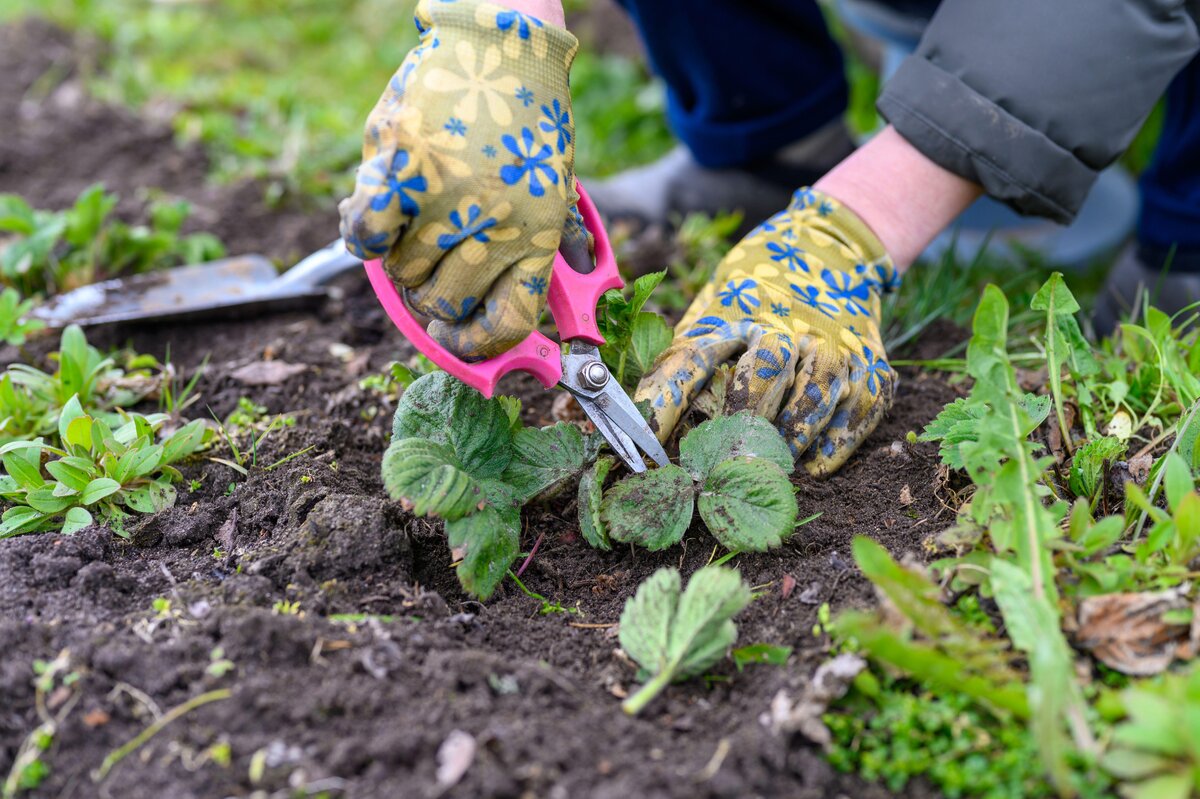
(833, 218)
(536, 51)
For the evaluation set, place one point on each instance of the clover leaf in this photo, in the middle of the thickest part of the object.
(441, 408)
(591, 492)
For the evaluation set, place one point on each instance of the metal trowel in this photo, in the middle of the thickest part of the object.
(239, 285)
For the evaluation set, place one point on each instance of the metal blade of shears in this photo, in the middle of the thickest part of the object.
(609, 407)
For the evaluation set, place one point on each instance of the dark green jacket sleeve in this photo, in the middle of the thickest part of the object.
(1032, 98)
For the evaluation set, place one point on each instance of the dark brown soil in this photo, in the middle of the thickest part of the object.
(361, 708)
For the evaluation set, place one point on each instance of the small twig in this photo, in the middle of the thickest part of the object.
(119, 754)
(715, 762)
(532, 552)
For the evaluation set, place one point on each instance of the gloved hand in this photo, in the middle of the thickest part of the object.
(467, 184)
(799, 298)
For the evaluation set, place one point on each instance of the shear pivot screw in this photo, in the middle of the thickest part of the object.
(593, 374)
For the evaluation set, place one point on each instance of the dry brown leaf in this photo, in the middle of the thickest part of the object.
(96, 718)
(1139, 467)
(1126, 632)
(227, 531)
(906, 497)
(787, 586)
(267, 373)
(566, 409)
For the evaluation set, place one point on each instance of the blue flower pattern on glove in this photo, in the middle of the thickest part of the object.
(790, 256)
(740, 293)
(558, 120)
(535, 285)
(506, 20)
(811, 296)
(382, 172)
(851, 293)
(474, 227)
(528, 163)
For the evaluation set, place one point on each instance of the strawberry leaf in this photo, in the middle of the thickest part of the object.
(427, 478)
(486, 543)
(743, 433)
(443, 409)
(651, 509)
(675, 636)
(591, 487)
(542, 458)
(748, 504)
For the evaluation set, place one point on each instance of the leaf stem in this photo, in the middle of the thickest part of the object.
(634, 704)
(117, 755)
(532, 552)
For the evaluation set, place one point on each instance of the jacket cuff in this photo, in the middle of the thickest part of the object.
(965, 132)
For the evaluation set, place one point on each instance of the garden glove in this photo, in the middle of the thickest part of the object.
(799, 298)
(467, 184)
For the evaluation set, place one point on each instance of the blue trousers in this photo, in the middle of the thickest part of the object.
(747, 77)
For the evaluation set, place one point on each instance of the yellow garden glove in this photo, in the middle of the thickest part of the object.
(467, 184)
(799, 299)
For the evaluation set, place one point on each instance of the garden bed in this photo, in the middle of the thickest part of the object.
(333, 619)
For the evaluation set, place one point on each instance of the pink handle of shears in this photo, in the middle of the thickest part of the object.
(572, 298)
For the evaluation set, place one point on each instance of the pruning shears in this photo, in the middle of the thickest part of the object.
(572, 297)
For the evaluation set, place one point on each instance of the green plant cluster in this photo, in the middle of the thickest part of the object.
(1029, 557)
(46, 252)
(72, 455)
(458, 456)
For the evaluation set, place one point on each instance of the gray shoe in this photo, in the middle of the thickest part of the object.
(1140, 269)
(662, 193)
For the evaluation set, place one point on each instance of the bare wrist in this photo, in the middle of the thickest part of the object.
(548, 11)
(903, 197)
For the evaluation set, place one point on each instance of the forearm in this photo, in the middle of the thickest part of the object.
(548, 11)
(905, 198)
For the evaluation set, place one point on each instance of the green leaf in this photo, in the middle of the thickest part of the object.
(75, 520)
(748, 504)
(1054, 296)
(185, 441)
(1177, 480)
(46, 501)
(1177, 785)
(69, 474)
(485, 544)
(648, 337)
(137, 462)
(427, 478)
(25, 467)
(70, 412)
(78, 435)
(1055, 698)
(443, 409)
(152, 497)
(674, 637)
(761, 653)
(591, 487)
(98, 489)
(651, 509)
(20, 519)
(544, 457)
(743, 433)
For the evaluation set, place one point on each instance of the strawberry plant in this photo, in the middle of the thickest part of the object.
(468, 460)
(676, 635)
(734, 469)
(634, 337)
